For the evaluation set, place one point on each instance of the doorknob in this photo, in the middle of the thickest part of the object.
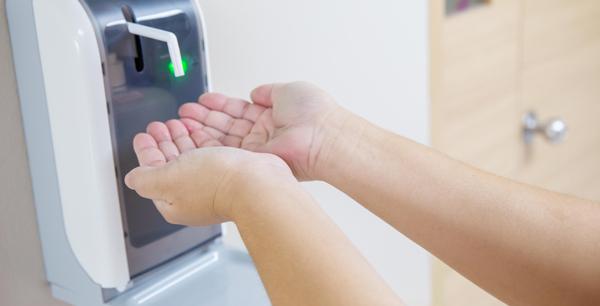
(554, 130)
(169, 38)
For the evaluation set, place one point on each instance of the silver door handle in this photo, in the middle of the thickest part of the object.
(554, 130)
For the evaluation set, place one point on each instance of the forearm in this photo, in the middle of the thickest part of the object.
(301, 256)
(525, 245)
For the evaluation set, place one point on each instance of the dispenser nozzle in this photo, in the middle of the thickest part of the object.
(161, 35)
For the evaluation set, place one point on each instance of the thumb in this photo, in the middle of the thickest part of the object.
(263, 95)
(148, 182)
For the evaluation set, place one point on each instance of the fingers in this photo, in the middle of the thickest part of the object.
(147, 151)
(220, 116)
(216, 120)
(191, 124)
(180, 135)
(259, 136)
(233, 107)
(218, 102)
(203, 139)
(194, 126)
(217, 111)
(161, 134)
(219, 121)
(240, 128)
(211, 103)
(201, 135)
(253, 112)
(214, 133)
(205, 117)
(194, 111)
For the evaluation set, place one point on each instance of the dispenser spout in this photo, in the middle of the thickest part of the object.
(161, 35)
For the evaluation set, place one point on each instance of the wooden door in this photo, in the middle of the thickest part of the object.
(561, 78)
(491, 65)
(475, 111)
(474, 84)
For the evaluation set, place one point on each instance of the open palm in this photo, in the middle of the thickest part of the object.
(286, 120)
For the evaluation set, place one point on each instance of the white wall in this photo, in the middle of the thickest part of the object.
(372, 56)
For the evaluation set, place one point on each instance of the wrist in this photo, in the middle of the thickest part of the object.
(255, 200)
(341, 135)
(250, 184)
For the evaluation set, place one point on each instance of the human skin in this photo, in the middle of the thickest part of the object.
(525, 245)
(301, 256)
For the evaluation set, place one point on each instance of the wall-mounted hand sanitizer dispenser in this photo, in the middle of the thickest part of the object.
(92, 74)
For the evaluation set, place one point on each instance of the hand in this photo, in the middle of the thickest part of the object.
(291, 121)
(198, 187)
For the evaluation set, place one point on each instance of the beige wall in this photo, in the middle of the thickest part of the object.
(22, 280)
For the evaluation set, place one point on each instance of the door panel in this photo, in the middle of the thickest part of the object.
(561, 77)
(475, 64)
(475, 110)
(493, 64)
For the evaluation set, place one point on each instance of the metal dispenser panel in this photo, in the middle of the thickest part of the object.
(142, 87)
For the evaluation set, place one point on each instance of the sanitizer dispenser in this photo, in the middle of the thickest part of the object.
(92, 74)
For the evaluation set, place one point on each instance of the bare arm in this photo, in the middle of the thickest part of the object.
(301, 256)
(525, 245)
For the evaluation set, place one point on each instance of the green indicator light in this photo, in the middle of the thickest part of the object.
(184, 63)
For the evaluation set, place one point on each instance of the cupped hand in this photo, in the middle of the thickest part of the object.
(198, 187)
(288, 120)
